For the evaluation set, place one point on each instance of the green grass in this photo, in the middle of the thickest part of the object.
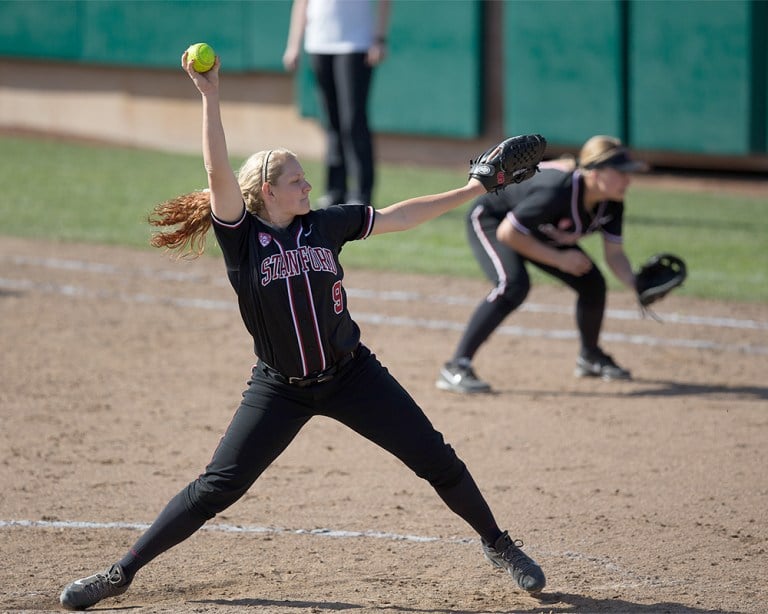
(101, 194)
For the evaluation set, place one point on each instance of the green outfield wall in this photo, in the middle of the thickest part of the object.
(682, 76)
(145, 33)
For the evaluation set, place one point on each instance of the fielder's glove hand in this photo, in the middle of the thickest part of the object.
(511, 161)
(658, 276)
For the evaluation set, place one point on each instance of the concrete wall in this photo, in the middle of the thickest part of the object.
(160, 109)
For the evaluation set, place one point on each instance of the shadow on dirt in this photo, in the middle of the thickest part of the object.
(663, 388)
(312, 606)
(657, 388)
(4, 292)
(562, 602)
(582, 604)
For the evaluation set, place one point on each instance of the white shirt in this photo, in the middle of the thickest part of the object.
(339, 26)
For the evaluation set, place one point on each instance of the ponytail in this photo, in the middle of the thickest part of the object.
(182, 223)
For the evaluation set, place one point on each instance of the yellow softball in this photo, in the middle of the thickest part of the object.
(203, 56)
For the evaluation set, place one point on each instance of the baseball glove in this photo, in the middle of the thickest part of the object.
(511, 161)
(659, 275)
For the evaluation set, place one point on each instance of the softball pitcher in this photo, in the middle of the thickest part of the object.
(282, 259)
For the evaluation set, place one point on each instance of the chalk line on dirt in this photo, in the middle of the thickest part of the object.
(228, 528)
(604, 562)
(387, 295)
(380, 319)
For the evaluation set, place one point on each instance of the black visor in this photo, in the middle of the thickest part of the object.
(621, 161)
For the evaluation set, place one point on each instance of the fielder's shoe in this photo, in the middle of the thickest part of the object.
(85, 592)
(506, 554)
(458, 377)
(599, 364)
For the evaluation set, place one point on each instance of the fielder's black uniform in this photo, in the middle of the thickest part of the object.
(311, 362)
(550, 197)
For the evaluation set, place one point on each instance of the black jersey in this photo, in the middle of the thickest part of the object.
(557, 198)
(289, 285)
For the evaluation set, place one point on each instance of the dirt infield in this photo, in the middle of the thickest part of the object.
(121, 369)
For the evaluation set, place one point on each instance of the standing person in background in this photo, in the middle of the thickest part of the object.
(541, 221)
(345, 40)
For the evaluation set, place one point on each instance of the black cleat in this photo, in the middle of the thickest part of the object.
(85, 592)
(506, 554)
(599, 364)
(460, 378)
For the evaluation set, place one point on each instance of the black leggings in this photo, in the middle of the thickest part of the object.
(366, 398)
(507, 270)
(344, 81)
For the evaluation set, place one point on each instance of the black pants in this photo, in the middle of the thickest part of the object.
(507, 270)
(363, 396)
(344, 83)
(366, 398)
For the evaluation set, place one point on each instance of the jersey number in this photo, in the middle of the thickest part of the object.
(338, 298)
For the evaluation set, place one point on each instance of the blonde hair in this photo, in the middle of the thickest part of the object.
(184, 221)
(599, 149)
(254, 173)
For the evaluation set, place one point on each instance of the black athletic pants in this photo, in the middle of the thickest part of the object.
(507, 270)
(363, 396)
(344, 82)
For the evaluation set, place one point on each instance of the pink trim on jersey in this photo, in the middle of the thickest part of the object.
(518, 226)
(497, 265)
(230, 224)
(370, 216)
(293, 314)
(575, 202)
(315, 321)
